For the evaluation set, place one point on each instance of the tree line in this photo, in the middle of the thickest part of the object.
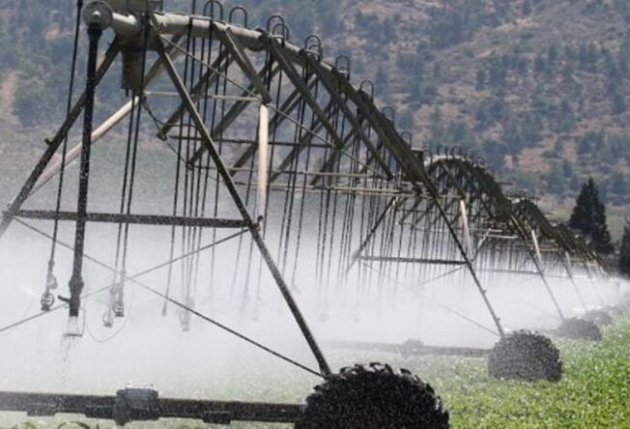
(589, 218)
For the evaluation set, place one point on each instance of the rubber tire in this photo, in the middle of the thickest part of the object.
(616, 310)
(599, 317)
(579, 329)
(373, 397)
(526, 356)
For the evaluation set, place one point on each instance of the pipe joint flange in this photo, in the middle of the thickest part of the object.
(98, 13)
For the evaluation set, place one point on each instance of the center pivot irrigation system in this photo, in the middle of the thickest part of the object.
(324, 194)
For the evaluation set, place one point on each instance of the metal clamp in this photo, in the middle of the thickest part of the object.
(271, 29)
(313, 45)
(136, 404)
(343, 64)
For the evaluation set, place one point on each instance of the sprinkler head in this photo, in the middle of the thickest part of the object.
(73, 329)
(119, 309)
(184, 320)
(108, 320)
(47, 301)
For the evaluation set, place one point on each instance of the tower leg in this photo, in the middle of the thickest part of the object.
(76, 281)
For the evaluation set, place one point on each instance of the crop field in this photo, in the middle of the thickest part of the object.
(593, 393)
(247, 188)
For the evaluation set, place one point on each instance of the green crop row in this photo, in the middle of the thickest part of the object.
(594, 392)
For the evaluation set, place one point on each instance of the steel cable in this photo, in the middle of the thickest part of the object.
(50, 279)
(134, 279)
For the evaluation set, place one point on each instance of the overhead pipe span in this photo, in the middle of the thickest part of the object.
(172, 24)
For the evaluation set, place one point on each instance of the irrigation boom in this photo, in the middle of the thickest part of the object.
(263, 135)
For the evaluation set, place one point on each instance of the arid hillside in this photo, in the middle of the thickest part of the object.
(537, 87)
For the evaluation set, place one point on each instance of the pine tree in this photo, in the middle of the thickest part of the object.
(624, 258)
(589, 217)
